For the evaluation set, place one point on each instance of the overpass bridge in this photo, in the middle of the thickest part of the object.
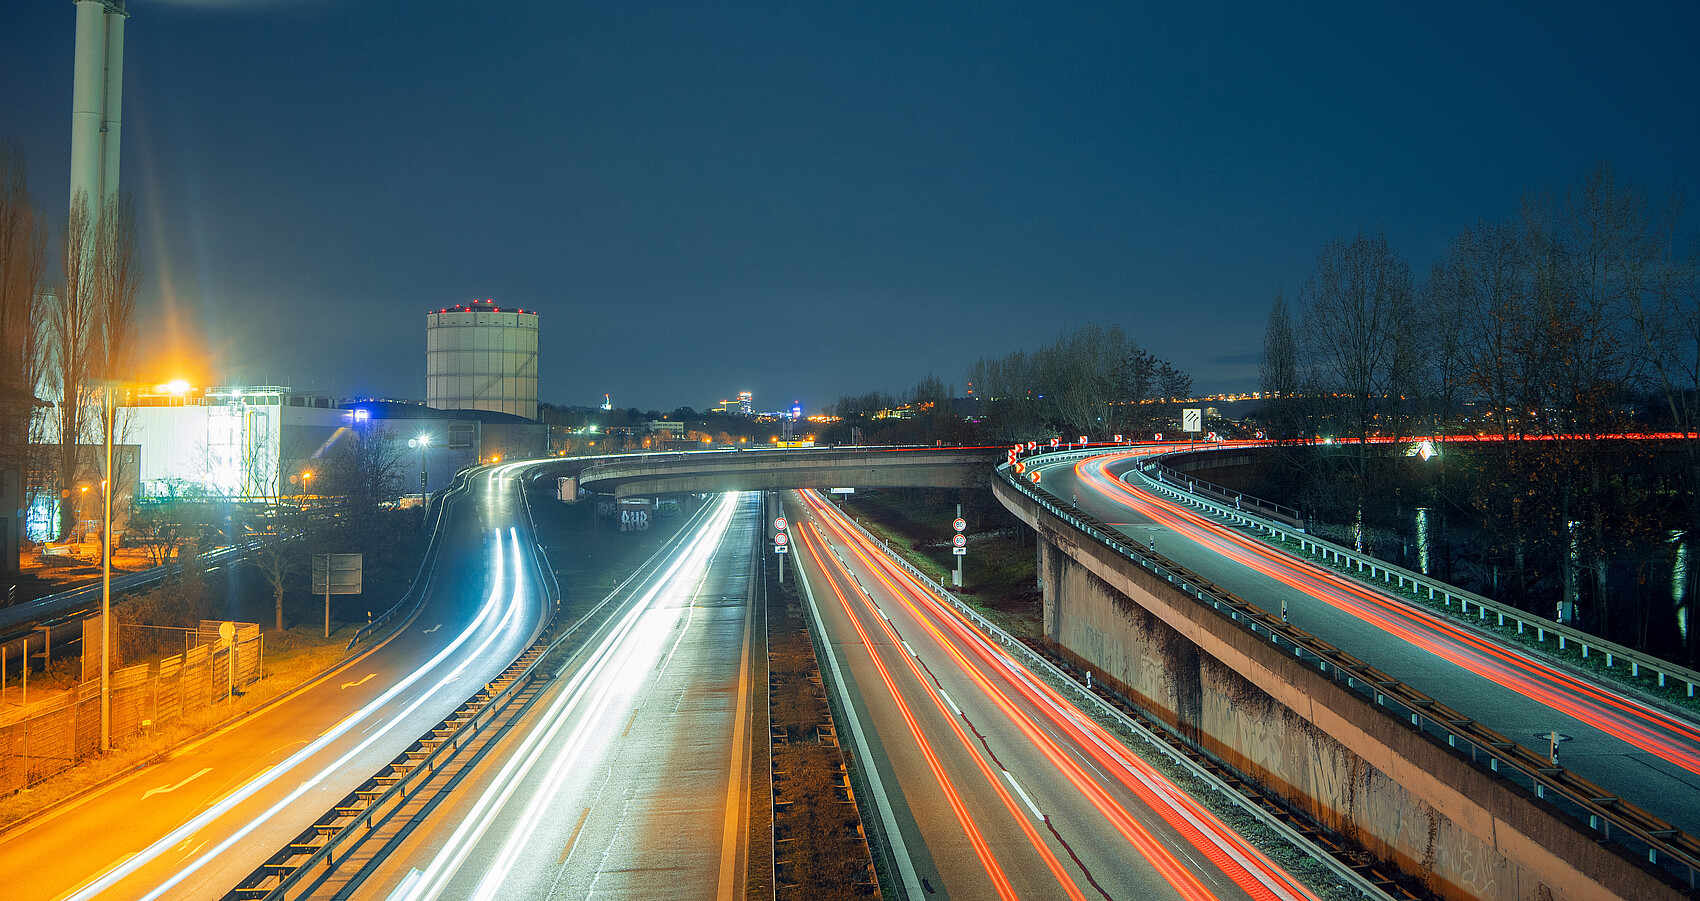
(642, 475)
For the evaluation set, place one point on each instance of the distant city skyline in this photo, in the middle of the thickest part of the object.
(813, 202)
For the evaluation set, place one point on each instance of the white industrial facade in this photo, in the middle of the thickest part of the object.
(479, 356)
(236, 442)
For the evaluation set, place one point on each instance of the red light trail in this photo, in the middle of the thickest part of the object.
(977, 657)
(1595, 705)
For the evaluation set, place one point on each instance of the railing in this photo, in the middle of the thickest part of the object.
(1035, 661)
(1417, 585)
(415, 594)
(1239, 499)
(1613, 818)
(375, 801)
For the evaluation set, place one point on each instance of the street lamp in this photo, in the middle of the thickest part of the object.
(109, 414)
(422, 442)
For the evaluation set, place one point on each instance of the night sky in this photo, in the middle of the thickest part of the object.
(808, 200)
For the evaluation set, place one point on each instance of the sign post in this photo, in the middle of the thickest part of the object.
(781, 544)
(335, 574)
(958, 546)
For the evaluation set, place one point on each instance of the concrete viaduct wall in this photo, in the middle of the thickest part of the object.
(1396, 791)
(769, 470)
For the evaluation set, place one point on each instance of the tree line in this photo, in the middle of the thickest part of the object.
(67, 330)
(1556, 329)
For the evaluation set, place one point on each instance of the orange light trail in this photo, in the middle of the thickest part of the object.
(982, 850)
(1590, 703)
(1245, 866)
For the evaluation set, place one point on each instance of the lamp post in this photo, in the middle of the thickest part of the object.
(422, 442)
(109, 414)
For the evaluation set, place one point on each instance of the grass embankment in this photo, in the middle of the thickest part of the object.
(999, 572)
(819, 849)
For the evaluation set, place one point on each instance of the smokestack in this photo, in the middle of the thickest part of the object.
(97, 89)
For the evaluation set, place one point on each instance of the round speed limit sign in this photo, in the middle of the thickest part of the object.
(780, 539)
(961, 525)
(779, 524)
(960, 541)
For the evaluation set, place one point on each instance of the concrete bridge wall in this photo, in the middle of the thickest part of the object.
(769, 470)
(1367, 776)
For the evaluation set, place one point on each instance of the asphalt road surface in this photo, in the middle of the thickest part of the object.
(194, 825)
(992, 784)
(630, 777)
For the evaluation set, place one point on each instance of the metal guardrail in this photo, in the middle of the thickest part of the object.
(1399, 579)
(1239, 499)
(70, 601)
(1035, 661)
(361, 811)
(1611, 817)
(415, 594)
(372, 803)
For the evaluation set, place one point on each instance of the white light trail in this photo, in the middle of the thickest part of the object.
(613, 674)
(251, 788)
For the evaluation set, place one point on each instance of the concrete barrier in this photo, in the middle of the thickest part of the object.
(1367, 776)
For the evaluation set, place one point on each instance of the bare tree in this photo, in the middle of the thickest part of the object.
(1278, 373)
(23, 267)
(72, 316)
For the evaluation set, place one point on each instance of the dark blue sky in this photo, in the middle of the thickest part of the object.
(807, 200)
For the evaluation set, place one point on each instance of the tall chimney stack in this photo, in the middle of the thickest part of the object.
(97, 90)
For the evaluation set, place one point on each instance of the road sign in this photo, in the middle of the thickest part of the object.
(781, 549)
(343, 571)
(959, 541)
(779, 523)
(1192, 419)
(960, 552)
(781, 540)
(961, 525)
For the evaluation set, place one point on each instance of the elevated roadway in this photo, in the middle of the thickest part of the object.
(1645, 753)
(1637, 751)
(194, 824)
(768, 470)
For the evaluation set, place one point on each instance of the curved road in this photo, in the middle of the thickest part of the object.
(1648, 756)
(193, 825)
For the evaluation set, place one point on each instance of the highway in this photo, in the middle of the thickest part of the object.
(1647, 755)
(989, 783)
(193, 825)
(629, 777)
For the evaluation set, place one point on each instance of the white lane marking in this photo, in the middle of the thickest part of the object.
(911, 650)
(369, 677)
(1023, 793)
(171, 788)
(911, 881)
(429, 631)
(947, 700)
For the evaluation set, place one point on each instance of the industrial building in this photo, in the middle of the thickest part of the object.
(229, 441)
(480, 356)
